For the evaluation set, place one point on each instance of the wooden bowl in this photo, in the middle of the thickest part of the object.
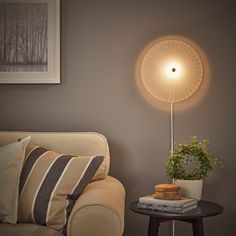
(167, 191)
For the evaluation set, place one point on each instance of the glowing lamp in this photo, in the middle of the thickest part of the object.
(171, 70)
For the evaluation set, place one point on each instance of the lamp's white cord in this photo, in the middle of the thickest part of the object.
(172, 126)
(172, 147)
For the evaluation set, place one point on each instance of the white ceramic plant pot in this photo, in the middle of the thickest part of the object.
(190, 188)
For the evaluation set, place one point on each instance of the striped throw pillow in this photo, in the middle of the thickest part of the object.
(50, 183)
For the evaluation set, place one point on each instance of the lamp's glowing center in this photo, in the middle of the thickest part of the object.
(173, 71)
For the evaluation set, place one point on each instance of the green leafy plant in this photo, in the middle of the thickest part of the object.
(191, 161)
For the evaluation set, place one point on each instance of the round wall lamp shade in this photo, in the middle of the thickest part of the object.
(170, 69)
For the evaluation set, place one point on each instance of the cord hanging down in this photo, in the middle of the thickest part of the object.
(172, 146)
(172, 126)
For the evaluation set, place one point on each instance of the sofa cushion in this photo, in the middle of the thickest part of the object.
(27, 230)
(50, 184)
(11, 161)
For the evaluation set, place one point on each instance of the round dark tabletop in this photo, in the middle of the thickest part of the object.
(204, 209)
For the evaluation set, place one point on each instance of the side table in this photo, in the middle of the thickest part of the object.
(195, 216)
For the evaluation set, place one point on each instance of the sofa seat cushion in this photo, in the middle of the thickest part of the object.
(27, 230)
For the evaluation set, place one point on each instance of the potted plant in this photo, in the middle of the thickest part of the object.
(189, 164)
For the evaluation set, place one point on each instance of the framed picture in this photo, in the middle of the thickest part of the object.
(30, 41)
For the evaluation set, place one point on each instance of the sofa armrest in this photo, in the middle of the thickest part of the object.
(99, 211)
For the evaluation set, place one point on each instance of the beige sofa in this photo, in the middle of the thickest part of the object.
(99, 211)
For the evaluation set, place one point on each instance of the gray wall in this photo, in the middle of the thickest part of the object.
(100, 42)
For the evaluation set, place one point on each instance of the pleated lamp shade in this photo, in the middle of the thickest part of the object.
(171, 70)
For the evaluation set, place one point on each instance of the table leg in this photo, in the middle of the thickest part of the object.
(197, 225)
(153, 227)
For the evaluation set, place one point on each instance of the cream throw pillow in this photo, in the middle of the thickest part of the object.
(11, 162)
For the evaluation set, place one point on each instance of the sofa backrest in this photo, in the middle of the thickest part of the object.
(73, 143)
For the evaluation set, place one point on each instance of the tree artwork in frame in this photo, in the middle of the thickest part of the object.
(30, 41)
